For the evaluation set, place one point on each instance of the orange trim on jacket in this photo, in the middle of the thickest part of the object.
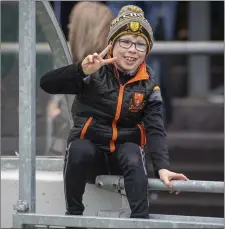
(141, 75)
(86, 125)
(143, 136)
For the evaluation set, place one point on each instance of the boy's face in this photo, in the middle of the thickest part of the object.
(128, 56)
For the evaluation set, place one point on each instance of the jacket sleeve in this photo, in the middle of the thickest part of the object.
(155, 132)
(64, 80)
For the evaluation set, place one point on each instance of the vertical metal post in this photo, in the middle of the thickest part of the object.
(27, 104)
(199, 66)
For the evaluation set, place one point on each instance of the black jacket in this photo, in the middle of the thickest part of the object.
(108, 112)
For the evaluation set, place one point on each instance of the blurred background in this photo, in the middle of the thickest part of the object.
(192, 88)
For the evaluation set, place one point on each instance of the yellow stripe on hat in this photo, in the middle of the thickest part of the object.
(156, 88)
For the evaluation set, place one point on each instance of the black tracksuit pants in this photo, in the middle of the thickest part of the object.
(84, 161)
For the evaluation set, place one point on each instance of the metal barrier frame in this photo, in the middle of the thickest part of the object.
(26, 204)
(109, 222)
(27, 112)
(116, 183)
(162, 48)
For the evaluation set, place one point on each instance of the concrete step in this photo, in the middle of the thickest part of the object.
(196, 171)
(187, 198)
(198, 115)
(200, 156)
(192, 146)
(202, 204)
(191, 210)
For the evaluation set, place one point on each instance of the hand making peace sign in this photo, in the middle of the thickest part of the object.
(92, 63)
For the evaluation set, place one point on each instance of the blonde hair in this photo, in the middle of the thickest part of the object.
(89, 24)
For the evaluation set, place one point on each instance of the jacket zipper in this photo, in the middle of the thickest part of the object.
(117, 116)
(118, 109)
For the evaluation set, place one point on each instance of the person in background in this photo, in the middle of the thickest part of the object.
(88, 28)
(89, 24)
(117, 111)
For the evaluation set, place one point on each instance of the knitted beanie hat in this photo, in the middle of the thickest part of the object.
(131, 20)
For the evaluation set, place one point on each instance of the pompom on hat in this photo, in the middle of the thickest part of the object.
(131, 20)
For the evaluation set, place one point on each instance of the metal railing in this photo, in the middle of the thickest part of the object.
(110, 222)
(116, 183)
(168, 47)
(26, 204)
(120, 218)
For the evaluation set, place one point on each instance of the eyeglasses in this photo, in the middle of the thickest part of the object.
(141, 47)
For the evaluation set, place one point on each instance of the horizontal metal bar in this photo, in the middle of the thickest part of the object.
(8, 47)
(125, 213)
(115, 183)
(188, 47)
(174, 47)
(105, 222)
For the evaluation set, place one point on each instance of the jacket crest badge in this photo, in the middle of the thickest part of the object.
(137, 102)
